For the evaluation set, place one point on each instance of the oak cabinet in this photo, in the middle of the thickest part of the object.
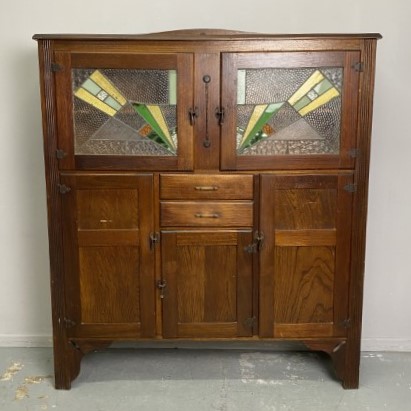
(206, 184)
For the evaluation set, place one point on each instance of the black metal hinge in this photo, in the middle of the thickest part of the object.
(55, 67)
(358, 66)
(249, 322)
(154, 239)
(354, 152)
(60, 154)
(63, 189)
(351, 188)
(346, 323)
(68, 323)
(257, 243)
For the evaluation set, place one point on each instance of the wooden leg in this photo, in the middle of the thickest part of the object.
(67, 359)
(345, 359)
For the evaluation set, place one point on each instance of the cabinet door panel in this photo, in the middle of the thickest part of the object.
(306, 220)
(125, 110)
(109, 268)
(289, 110)
(209, 283)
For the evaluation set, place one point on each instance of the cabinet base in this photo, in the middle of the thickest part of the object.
(346, 364)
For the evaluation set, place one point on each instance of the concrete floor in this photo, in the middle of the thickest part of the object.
(192, 379)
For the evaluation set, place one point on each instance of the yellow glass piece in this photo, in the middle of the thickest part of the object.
(321, 100)
(257, 113)
(155, 111)
(94, 101)
(102, 81)
(313, 80)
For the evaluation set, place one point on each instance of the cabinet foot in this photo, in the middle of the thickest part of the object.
(67, 360)
(346, 363)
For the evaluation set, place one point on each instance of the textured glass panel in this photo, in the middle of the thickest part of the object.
(289, 111)
(125, 112)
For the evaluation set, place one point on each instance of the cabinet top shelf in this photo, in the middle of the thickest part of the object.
(201, 34)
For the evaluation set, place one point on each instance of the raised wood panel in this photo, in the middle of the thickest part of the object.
(107, 209)
(209, 283)
(304, 285)
(109, 284)
(299, 209)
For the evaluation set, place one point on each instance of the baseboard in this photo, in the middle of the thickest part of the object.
(367, 344)
(386, 344)
(26, 341)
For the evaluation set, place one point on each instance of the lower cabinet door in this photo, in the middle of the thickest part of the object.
(108, 264)
(305, 260)
(208, 277)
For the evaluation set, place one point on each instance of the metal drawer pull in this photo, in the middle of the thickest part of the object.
(206, 188)
(201, 215)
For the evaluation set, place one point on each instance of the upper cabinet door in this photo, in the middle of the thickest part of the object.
(124, 110)
(289, 110)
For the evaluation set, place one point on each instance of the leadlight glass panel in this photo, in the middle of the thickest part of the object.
(293, 111)
(125, 112)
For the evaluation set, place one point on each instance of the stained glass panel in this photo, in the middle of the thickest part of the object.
(125, 112)
(289, 111)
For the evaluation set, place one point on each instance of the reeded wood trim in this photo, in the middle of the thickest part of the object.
(351, 362)
(66, 359)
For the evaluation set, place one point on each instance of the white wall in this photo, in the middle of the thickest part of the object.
(24, 282)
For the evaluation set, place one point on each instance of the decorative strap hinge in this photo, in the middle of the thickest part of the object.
(257, 243)
(351, 188)
(358, 66)
(63, 189)
(55, 67)
(154, 239)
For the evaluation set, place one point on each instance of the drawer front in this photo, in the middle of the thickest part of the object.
(206, 187)
(207, 213)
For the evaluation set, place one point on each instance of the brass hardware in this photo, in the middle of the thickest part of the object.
(154, 239)
(206, 78)
(201, 215)
(161, 285)
(220, 114)
(60, 154)
(63, 189)
(206, 188)
(193, 114)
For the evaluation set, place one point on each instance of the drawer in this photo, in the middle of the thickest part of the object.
(207, 213)
(206, 187)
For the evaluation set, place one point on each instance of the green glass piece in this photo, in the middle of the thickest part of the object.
(113, 103)
(301, 103)
(91, 87)
(322, 87)
(256, 130)
(157, 135)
